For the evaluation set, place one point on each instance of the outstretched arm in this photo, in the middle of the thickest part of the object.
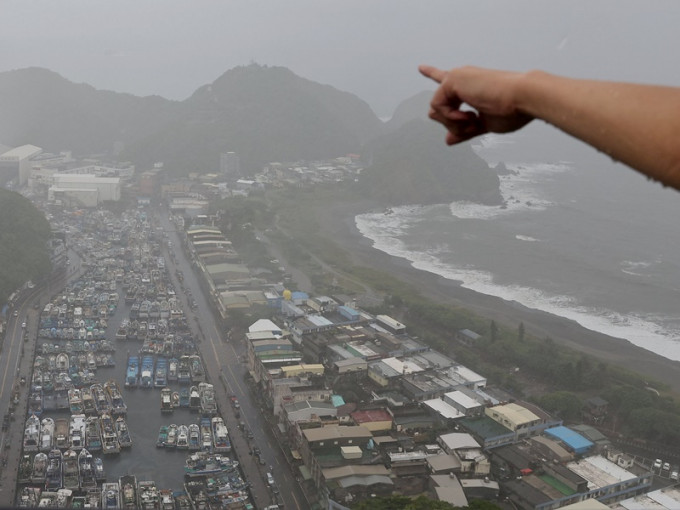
(636, 124)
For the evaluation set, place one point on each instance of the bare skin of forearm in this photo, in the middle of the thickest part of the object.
(638, 125)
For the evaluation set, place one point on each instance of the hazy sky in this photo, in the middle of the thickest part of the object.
(368, 47)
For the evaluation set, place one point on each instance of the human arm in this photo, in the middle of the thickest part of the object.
(636, 124)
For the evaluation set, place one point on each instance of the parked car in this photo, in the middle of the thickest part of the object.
(657, 464)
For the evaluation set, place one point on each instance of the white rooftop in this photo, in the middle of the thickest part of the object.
(462, 399)
(22, 152)
(441, 407)
(403, 367)
(600, 472)
(459, 440)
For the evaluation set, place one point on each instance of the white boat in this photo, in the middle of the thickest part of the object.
(221, 441)
(46, 434)
(77, 431)
(183, 437)
(32, 434)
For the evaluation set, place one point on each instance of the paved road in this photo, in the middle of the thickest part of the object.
(16, 361)
(222, 359)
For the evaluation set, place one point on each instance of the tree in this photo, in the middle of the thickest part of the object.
(494, 331)
(520, 332)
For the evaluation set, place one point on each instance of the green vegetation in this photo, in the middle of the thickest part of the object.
(23, 250)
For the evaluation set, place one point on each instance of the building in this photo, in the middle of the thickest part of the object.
(230, 165)
(16, 163)
(83, 190)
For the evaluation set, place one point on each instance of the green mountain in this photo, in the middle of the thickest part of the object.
(40, 107)
(23, 249)
(413, 165)
(263, 114)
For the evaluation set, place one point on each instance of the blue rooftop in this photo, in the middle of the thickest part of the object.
(337, 400)
(573, 440)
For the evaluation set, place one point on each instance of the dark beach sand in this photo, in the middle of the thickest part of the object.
(337, 222)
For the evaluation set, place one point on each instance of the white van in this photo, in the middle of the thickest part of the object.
(270, 479)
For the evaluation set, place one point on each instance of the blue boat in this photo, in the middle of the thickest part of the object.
(132, 377)
(161, 374)
(147, 372)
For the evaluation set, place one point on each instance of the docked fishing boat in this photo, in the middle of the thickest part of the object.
(25, 469)
(53, 473)
(32, 434)
(167, 499)
(89, 407)
(196, 367)
(75, 401)
(70, 470)
(194, 399)
(39, 468)
(184, 397)
(93, 437)
(172, 436)
(221, 441)
(161, 373)
(184, 370)
(88, 478)
(146, 380)
(132, 375)
(62, 362)
(162, 436)
(194, 437)
(182, 501)
(61, 438)
(148, 497)
(124, 438)
(99, 473)
(46, 434)
(175, 399)
(182, 437)
(101, 400)
(121, 333)
(173, 369)
(128, 491)
(118, 406)
(208, 402)
(29, 497)
(206, 435)
(110, 442)
(35, 402)
(166, 400)
(205, 464)
(77, 431)
(110, 496)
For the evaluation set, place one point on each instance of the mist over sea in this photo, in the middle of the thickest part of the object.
(580, 237)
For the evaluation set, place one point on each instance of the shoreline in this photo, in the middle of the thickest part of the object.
(337, 221)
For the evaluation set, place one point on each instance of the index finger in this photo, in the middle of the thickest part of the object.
(432, 72)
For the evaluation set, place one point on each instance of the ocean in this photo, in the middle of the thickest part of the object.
(580, 237)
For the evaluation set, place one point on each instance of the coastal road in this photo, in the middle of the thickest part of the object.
(226, 372)
(16, 361)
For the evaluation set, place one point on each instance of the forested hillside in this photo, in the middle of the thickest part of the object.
(24, 232)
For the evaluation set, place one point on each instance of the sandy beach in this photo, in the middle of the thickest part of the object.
(337, 222)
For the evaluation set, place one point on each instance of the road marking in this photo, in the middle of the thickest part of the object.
(212, 344)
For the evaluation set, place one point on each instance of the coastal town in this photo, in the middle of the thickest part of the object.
(158, 368)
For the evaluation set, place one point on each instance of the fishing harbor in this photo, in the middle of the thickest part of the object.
(121, 412)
